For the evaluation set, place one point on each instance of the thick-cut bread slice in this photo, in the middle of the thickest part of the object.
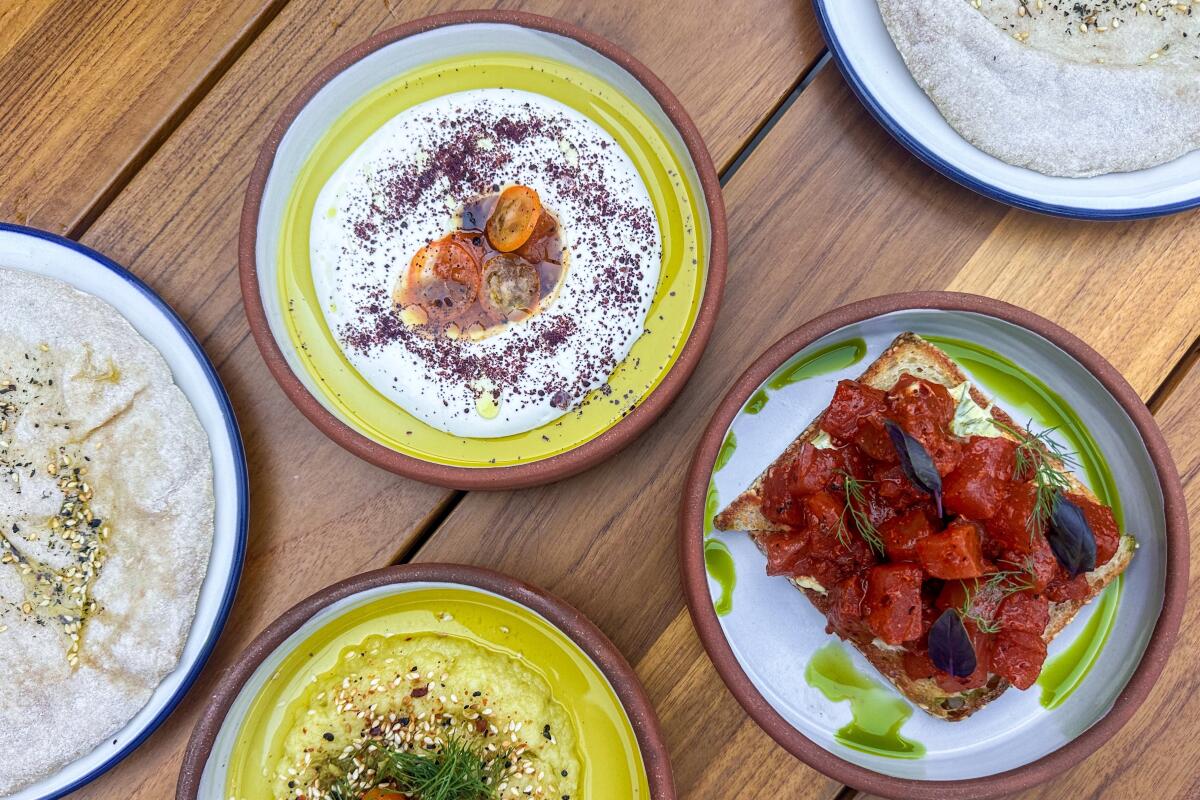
(912, 354)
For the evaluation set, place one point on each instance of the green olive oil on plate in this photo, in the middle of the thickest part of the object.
(1064, 672)
(877, 712)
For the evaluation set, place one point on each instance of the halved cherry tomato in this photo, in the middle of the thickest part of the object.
(443, 279)
(514, 218)
(510, 288)
(953, 553)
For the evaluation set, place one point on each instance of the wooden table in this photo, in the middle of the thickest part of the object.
(132, 126)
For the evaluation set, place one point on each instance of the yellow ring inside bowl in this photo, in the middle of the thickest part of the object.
(669, 322)
(611, 761)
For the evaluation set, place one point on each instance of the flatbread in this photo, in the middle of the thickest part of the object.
(1037, 91)
(80, 388)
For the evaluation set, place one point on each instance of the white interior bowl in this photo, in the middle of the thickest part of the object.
(53, 256)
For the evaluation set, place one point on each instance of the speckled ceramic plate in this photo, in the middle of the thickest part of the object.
(364, 88)
(620, 744)
(1100, 667)
(56, 257)
(868, 59)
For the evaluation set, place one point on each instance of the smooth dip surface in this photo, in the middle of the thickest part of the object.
(406, 185)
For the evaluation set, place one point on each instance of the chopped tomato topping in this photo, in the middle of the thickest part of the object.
(925, 409)
(815, 469)
(901, 534)
(514, 218)
(1022, 611)
(784, 550)
(982, 644)
(846, 602)
(1064, 588)
(893, 602)
(778, 503)
(954, 553)
(1010, 528)
(1037, 568)
(984, 596)
(982, 479)
(856, 416)
(1104, 527)
(1018, 657)
(894, 487)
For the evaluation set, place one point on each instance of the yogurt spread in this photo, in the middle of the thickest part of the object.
(413, 183)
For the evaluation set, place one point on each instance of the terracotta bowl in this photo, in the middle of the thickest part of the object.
(763, 642)
(330, 608)
(363, 69)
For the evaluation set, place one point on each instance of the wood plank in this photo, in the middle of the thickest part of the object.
(319, 514)
(87, 89)
(606, 540)
(1156, 753)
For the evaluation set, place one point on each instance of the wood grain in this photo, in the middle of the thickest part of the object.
(319, 514)
(87, 89)
(1156, 753)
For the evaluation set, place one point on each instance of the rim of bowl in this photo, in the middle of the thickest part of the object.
(961, 176)
(578, 628)
(241, 499)
(699, 601)
(581, 456)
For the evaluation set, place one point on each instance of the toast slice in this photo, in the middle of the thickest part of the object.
(912, 354)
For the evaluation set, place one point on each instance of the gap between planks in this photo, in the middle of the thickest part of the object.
(174, 119)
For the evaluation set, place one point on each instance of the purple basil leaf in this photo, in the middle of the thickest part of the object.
(916, 462)
(1071, 538)
(950, 647)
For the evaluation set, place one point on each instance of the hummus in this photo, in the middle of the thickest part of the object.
(420, 695)
(408, 185)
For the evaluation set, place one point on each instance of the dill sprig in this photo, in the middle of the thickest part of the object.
(458, 770)
(1042, 460)
(856, 505)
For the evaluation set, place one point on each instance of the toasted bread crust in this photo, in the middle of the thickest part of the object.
(910, 353)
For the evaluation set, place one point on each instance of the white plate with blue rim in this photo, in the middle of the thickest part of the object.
(768, 642)
(32, 250)
(864, 52)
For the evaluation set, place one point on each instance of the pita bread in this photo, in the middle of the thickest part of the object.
(1037, 91)
(80, 389)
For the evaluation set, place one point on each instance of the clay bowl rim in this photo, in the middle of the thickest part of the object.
(543, 471)
(691, 555)
(578, 628)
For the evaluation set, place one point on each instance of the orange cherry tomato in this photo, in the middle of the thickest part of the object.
(538, 247)
(384, 794)
(514, 218)
(510, 288)
(443, 279)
